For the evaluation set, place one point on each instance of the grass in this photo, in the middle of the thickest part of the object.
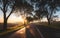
(55, 25)
(11, 29)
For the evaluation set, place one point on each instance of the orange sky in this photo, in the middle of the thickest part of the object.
(1, 20)
(13, 19)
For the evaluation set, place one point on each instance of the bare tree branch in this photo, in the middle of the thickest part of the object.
(1, 8)
(10, 13)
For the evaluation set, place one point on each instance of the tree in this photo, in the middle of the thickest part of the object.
(29, 19)
(11, 6)
(51, 9)
(5, 6)
(47, 8)
(39, 5)
(24, 8)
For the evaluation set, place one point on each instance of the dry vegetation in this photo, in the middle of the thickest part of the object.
(11, 27)
(53, 24)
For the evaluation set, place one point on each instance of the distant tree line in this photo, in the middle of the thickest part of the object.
(46, 8)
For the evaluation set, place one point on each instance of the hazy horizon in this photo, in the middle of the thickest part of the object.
(15, 19)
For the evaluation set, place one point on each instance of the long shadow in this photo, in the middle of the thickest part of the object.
(8, 34)
(28, 34)
(49, 32)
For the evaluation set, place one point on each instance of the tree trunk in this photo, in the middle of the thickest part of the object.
(49, 22)
(5, 22)
(4, 12)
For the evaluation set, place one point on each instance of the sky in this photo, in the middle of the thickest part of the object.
(58, 13)
(13, 18)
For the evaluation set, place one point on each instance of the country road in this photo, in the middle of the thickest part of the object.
(30, 31)
(18, 34)
(35, 31)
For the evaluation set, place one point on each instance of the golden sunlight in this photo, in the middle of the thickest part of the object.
(15, 19)
(22, 31)
(1, 20)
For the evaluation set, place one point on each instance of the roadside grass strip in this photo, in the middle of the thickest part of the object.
(11, 30)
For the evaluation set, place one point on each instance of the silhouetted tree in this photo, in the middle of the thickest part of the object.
(47, 8)
(39, 6)
(23, 5)
(29, 19)
(51, 9)
(6, 6)
(11, 6)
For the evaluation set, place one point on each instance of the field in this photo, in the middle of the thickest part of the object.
(52, 25)
(8, 26)
(49, 31)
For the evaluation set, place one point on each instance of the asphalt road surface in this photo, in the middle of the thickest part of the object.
(30, 31)
(34, 31)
